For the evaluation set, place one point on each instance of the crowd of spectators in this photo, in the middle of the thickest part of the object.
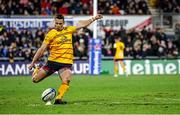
(24, 43)
(45, 7)
(144, 43)
(169, 6)
(138, 44)
(123, 7)
(71, 7)
(15, 43)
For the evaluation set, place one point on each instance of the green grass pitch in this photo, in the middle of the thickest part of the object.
(94, 95)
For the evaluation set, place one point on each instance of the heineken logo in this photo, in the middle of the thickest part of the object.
(142, 67)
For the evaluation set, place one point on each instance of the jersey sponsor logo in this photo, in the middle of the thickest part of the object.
(64, 39)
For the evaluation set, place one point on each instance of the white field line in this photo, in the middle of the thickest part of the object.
(167, 99)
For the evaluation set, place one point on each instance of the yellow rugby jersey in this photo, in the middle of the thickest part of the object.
(119, 50)
(60, 45)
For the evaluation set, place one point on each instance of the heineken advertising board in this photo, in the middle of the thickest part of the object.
(144, 67)
(133, 67)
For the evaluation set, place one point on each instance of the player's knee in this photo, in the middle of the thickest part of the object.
(66, 80)
(35, 80)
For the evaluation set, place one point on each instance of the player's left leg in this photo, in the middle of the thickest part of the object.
(40, 75)
(65, 75)
(41, 72)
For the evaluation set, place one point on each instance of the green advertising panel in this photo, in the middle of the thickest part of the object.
(144, 67)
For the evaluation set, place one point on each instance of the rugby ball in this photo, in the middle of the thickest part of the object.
(48, 94)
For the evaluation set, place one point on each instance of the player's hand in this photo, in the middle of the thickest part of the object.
(98, 16)
(31, 66)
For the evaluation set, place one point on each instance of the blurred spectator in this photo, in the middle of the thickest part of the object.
(137, 49)
(2, 30)
(11, 55)
(64, 9)
(115, 9)
(171, 49)
(177, 34)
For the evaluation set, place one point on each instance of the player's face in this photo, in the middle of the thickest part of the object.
(59, 24)
(116, 40)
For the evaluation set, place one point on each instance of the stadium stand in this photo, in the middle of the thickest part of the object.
(45, 7)
(24, 43)
(169, 6)
(123, 7)
(52, 7)
(139, 44)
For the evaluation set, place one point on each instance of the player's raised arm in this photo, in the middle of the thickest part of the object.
(85, 23)
(38, 54)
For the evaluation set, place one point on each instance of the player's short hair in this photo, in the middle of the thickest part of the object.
(59, 16)
(118, 38)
